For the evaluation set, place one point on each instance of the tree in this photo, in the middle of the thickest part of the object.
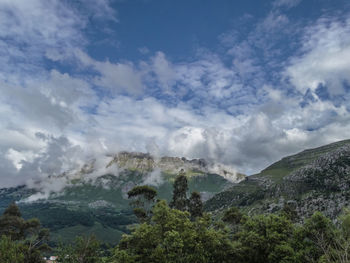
(334, 246)
(84, 250)
(31, 238)
(290, 212)
(313, 237)
(180, 200)
(339, 250)
(266, 238)
(171, 237)
(195, 205)
(10, 251)
(12, 224)
(149, 193)
(143, 200)
(35, 241)
(232, 216)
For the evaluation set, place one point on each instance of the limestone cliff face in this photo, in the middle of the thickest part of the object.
(330, 172)
(324, 185)
(134, 161)
(146, 163)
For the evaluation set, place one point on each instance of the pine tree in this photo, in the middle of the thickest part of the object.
(195, 205)
(180, 200)
(12, 224)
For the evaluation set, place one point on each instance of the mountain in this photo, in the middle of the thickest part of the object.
(312, 180)
(94, 199)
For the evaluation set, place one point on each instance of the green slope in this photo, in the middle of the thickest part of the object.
(257, 188)
(288, 164)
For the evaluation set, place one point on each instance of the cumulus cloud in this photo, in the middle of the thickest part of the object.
(164, 71)
(325, 58)
(31, 28)
(54, 157)
(52, 121)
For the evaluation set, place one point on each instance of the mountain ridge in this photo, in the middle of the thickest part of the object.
(316, 180)
(99, 204)
(147, 163)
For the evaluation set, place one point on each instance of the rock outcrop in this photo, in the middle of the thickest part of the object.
(146, 163)
(323, 185)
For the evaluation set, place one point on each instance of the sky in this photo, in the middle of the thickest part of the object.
(242, 83)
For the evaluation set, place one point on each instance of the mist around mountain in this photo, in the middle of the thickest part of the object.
(295, 210)
(93, 199)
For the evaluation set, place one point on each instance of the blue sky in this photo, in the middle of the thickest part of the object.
(242, 83)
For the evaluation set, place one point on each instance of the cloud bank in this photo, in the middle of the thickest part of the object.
(60, 107)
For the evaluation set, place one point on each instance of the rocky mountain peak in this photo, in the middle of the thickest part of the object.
(145, 162)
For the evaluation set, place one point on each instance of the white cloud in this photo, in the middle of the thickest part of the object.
(100, 9)
(274, 21)
(119, 77)
(286, 3)
(53, 121)
(325, 58)
(164, 71)
(154, 178)
(29, 28)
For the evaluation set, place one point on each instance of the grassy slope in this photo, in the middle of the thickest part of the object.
(286, 165)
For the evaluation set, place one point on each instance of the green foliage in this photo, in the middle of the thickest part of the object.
(329, 243)
(173, 237)
(232, 216)
(180, 200)
(195, 205)
(265, 238)
(12, 224)
(12, 210)
(345, 223)
(312, 238)
(141, 214)
(149, 193)
(289, 212)
(10, 251)
(115, 220)
(84, 250)
(35, 242)
(30, 237)
(58, 216)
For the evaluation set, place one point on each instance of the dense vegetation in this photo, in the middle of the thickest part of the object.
(171, 236)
